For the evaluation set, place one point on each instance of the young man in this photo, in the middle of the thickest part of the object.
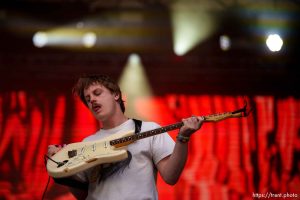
(159, 153)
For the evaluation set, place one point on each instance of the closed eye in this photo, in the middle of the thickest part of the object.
(97, 92)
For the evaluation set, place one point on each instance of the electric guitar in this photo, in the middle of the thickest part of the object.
(77, 157)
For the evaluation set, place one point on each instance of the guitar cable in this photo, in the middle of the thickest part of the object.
(59, 164)
(45, 162)
(45, 190)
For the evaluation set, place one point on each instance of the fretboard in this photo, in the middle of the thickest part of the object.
(147, 134)
(208, 118)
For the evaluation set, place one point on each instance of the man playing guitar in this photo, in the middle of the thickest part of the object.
(136, 178)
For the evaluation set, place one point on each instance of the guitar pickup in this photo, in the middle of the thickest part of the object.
(72, 153)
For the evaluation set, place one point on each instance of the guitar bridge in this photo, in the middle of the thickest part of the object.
(72, 153)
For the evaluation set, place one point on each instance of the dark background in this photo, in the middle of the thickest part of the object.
(247, 68)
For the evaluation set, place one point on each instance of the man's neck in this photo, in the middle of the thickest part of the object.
(114, 122)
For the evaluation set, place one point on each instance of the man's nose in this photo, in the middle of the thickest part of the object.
(93, 99)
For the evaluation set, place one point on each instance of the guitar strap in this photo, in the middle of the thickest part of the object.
(84, 186)
(138, 126)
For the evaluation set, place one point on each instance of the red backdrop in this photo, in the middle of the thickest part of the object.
(232, 159)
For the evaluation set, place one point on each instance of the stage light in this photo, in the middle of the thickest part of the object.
(40, 39)
(89, 39)
(134, 60)
(66, 37)
(134, 83)
(191, 25)
(225, 42)
(63, 37)
(274, 42)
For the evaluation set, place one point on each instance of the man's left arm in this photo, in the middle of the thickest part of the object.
(170, 167)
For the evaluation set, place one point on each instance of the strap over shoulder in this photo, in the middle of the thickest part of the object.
(138, 125)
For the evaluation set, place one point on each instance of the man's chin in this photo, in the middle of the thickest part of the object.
(100, 117)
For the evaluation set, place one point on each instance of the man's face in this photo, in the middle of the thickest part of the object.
(101, 101)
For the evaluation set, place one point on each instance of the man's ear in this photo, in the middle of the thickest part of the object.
(117, 96)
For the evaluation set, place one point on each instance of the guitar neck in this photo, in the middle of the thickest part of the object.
(209, 118)
(128, 139)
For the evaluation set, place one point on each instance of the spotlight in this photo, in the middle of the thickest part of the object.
(134, 83)
(225, 42)
(191, 25)
(89, 39)
(134, 59)
(274, 42)
(40, 39)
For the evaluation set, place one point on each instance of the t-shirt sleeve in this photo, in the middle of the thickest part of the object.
(162, 146)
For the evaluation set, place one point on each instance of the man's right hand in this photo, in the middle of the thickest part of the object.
(53, 149)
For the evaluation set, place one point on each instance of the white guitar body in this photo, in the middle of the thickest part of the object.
(84, 155)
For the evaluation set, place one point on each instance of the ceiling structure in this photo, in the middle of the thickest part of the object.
(146, 27)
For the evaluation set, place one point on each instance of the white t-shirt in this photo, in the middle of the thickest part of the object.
(138, 180)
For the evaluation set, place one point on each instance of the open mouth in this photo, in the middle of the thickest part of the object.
(96, 107)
